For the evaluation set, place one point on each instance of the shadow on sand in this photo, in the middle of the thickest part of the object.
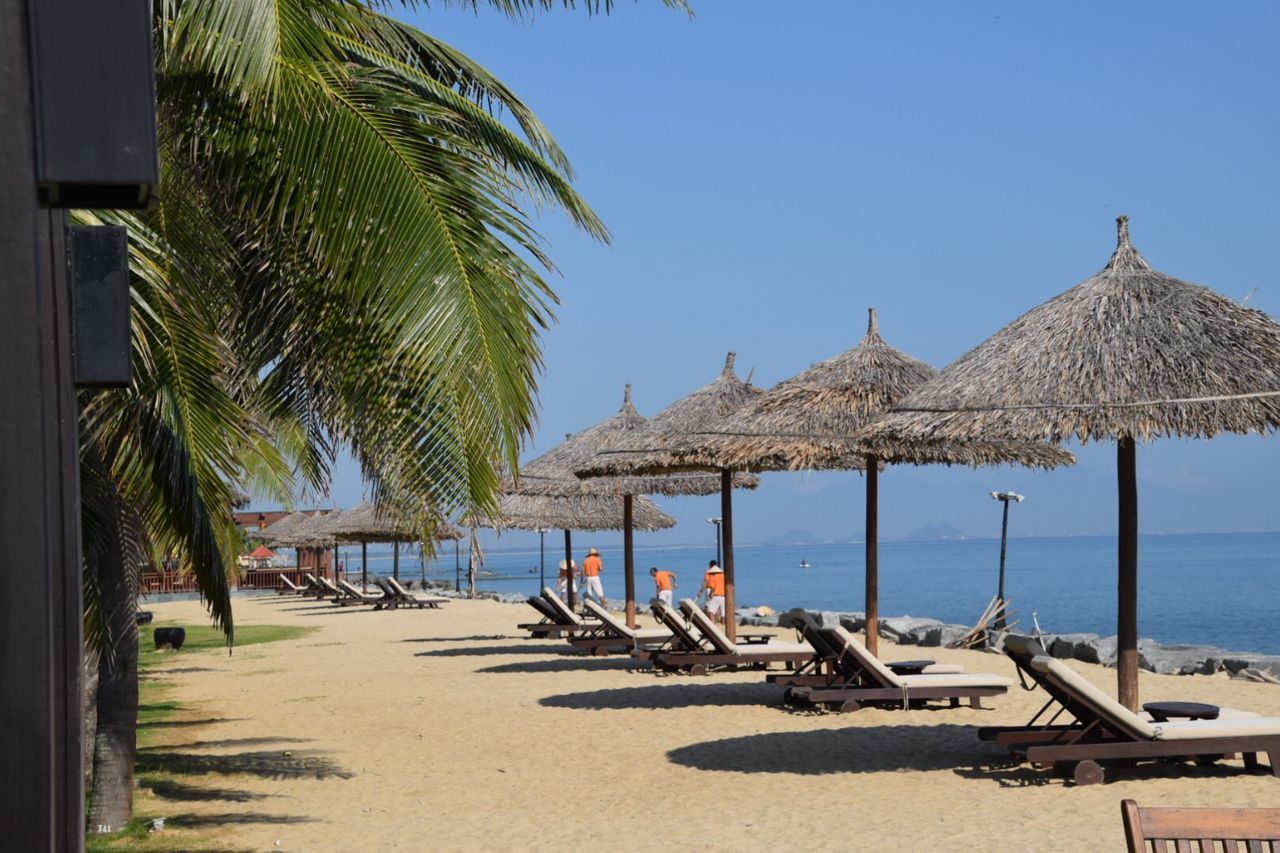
(168, 789)
(473, 651)
(664, 696)
(862, 749)
(471, 639)
(172, 724)
(197, 821)
(301, 764)
(566, 664)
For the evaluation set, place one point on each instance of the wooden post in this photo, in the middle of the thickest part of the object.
(629, 558)
(568, 565)
(395, 561)
(726, 515)
(364, 566)
(335, 563)
(41, 715)
(873, 554)
(1127, 612)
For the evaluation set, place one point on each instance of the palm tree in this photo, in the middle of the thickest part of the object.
(342, 256)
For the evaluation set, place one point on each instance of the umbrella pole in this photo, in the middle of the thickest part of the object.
(568, 565)
(364, 566)
(726, 525)
(873, 554)
(297, 559)
(629, 559)
(335, 562)
(457, 568)
(1127, 619)
(395, 561)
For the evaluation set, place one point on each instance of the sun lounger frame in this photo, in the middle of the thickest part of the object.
(714, 650)
(1079, 751)
(609, 635)
(402, 597)
(351, 595)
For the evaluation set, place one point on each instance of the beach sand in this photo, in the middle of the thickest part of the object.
(448, 730)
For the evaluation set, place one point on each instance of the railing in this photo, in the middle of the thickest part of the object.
(168, 582)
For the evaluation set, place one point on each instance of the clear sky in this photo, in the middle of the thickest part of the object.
(770, 170)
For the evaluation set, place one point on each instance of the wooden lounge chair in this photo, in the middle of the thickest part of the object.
(405, 598)
(351, 595)
(829, 668)
(710, 649)
(1197, 830)
(871, 682)
(614, 635)
(318, 589)
(550, 626)
(288, 587)
(1110, 733)
(326, 587)
(1067, 714)
(564, 615)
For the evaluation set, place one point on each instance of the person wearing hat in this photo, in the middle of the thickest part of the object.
(591, 568)
(665, 582)
(566, 573)
(713, 586)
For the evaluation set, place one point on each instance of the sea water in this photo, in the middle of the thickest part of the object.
(1212, 589)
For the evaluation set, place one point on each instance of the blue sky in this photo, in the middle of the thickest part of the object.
(770, 170)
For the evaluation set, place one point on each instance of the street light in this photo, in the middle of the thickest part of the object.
(542, 558)
(1003, 497)
(716, 522)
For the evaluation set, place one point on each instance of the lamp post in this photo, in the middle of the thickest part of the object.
(716, 522)
(542, 558)
(1004, 498)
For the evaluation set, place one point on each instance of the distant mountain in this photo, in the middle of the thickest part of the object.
(793, 537)
(933, 533)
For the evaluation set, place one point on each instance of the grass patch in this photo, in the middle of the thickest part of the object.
(200, 637)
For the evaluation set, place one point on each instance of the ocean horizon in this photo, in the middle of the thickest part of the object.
(1202, 588)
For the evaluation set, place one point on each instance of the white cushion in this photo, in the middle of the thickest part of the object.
(962, 679)
(1103, 704)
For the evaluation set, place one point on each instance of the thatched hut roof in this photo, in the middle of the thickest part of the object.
(365, 523)
(276, 534)
(1129, 352)
(551, 474)
(583, 512)
(308, 532)
(811, 420)
(658, 446)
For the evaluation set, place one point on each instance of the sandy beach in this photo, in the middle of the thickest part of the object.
(431, 730)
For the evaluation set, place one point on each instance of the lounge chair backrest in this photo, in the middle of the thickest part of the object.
(708, 629)
(1190, 829)
(540, 604)
(1016, 647)
(564, 615)
(284, 580)
(608, 619)
(350, 590)
(669, 617)
(398, 588)
(311, 579)
(1083, 692)
(811, 632)
(382, 584)
(328, 584)
(851, 649)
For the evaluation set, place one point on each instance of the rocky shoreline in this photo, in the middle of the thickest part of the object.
(1175, 659)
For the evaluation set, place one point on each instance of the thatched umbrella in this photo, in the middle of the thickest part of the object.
(285, 534)
(579, 512)
(312, 534)
(655, 449)
(551, 475)
(366, 523)
(810, 420)
(1127, 354)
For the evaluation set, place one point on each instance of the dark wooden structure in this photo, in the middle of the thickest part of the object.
(1158, 830)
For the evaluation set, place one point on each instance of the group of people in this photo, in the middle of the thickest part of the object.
(586, 581)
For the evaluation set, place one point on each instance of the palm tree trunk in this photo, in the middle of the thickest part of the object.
(115, 747)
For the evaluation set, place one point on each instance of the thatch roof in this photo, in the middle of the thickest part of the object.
(811, 420)
(308, 532)
(551, 474)
(584, 512)
(277, 533)
(365, 523)
(1129, 352)
(657, 447)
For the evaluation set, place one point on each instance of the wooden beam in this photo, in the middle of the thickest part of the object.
(1127, 587)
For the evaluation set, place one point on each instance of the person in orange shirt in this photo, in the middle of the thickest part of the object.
(713, 586)
(566, 574)
(665, 582)
(591, 568)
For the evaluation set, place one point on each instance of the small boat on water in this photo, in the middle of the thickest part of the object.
(804, 564)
